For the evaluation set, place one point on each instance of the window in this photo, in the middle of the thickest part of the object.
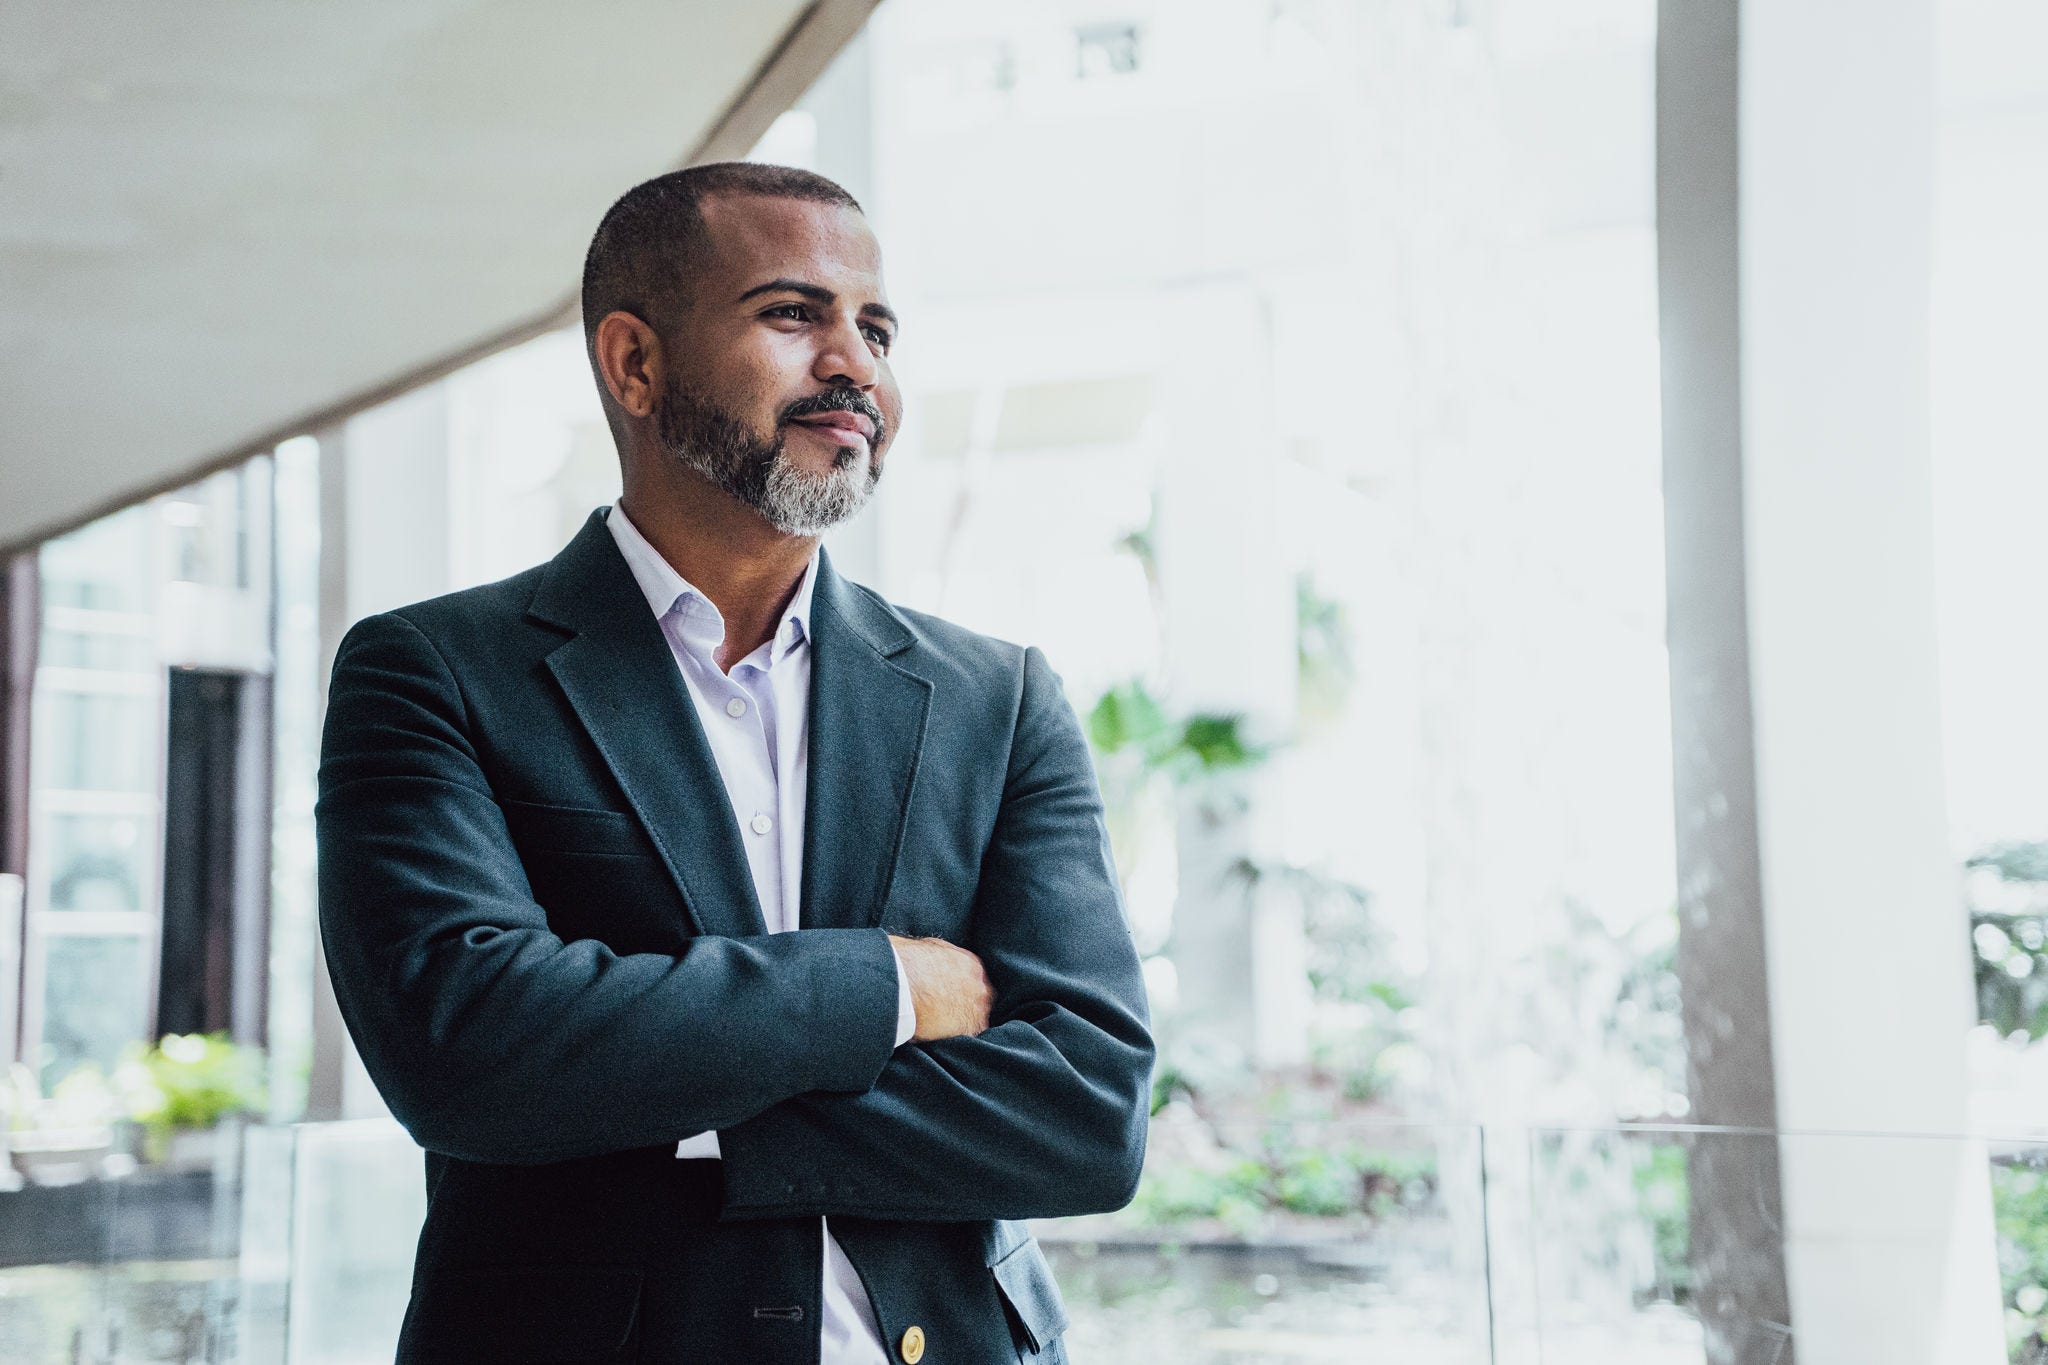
(178, 582)
(96, 797)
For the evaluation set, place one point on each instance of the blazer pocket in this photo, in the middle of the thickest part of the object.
(536, 1314)
(1033, 1296)
(537, 828)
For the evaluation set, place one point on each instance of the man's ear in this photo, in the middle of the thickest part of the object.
(629, 359)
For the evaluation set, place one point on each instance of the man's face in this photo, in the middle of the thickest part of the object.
(778, 387)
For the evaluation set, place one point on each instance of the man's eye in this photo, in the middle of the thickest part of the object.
(878, 335)
(793, 311)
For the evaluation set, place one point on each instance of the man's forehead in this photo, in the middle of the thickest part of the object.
(751, 234)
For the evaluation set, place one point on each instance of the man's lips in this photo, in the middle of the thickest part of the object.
(845, 425)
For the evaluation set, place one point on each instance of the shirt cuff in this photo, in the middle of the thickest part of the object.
(906, 1008)
(699, 1147)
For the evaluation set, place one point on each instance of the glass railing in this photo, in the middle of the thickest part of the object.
(1286, 1241)
(1423, 1244)
(135, 1263)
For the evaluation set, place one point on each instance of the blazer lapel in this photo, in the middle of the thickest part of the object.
(867, 730)
(622, 682)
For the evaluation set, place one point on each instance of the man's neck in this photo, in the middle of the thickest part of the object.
(747, 568)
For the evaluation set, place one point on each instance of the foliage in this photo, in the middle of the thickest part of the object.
(1128, 719)
(1348, 969)
(1211, 743)
(2017, 862)
(2011, 957)
(185, 1081)
(1144, 750)
(1127, 722)
(1607, 1003)
(1323, 653)
(1143, 755)
(1644, 1024)
(1347, 951)
(82, 1100)
(190, 1080)
(1174, 1193)
(1170, 1082)
(2019, 1202)
(1142, 544)
(1664, 1199)
(1241, 1189)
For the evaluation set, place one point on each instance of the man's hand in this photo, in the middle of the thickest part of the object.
(947, 986)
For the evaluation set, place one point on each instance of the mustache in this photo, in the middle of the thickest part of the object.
(839, 400)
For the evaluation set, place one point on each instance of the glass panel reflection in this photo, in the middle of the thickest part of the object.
(98, 741)
(111, 649)
(1294, 1242)
(98, 862)
(104, 566)
(359, 1200)
(95, 994)
(1328, 1242)
(1610, 1266)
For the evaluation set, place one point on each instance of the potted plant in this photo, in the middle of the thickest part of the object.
(62, 1137)
(182, 1089)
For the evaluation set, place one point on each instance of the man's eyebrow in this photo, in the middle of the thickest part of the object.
(819, 294)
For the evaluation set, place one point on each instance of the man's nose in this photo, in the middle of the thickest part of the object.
(845, 360)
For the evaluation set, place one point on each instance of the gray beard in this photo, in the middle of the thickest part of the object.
(706, 439)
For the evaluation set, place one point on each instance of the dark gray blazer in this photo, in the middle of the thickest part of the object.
(545, 941)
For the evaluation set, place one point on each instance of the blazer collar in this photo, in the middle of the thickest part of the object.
(867, 726)
(581, 585)
(667, 591)
(868, 715)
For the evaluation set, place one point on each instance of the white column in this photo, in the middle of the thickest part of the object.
(1827, 968)
(1227, 589)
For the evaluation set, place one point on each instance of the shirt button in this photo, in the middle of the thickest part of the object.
(735, 708)
(762, 824)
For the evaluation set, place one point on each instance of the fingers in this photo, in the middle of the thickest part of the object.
(948, 987)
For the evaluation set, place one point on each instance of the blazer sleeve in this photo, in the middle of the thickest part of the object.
(1045, 1113)
(491, 1038)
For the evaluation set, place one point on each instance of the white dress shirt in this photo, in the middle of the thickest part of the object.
(757, 720)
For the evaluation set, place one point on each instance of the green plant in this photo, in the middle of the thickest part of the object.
(1663, 1185)
(1131, 726)
(189, 1081)
(1142, 753)
(1320, 1183)
(2011, 957)
(1169, 1083)
(2019, 1203)
(1128, 720)
(82, 1100)
(1606, 1001)
(1240, 1188)
(1366, 1004)
(1324, 670)
(1233, 1193)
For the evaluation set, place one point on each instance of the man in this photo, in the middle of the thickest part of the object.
(745, 951)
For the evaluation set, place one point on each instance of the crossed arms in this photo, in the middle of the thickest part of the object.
(494, 1040)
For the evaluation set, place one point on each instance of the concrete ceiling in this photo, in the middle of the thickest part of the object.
(222, 223)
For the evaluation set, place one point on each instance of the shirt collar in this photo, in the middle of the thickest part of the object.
(669, 592)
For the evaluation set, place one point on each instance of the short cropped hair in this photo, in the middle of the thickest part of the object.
(650, 245)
